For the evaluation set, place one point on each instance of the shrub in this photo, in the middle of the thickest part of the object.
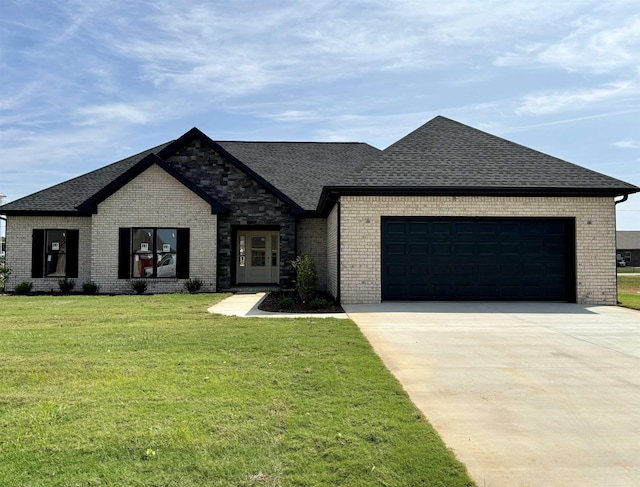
(90, 287)
(23, 288)
(320, 303)
(285, 303)
(306, 277)
(66, 285)
(193, 285)
(139, 286)
(4, 275)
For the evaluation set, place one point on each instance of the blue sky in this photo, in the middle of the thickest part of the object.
(86, 83)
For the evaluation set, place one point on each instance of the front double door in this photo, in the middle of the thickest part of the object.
(258, 257)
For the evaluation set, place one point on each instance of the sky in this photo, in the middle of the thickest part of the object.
(87, 83)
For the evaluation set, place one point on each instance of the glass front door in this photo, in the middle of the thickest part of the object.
(258, 257)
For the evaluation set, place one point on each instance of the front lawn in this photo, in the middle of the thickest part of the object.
(629, 291)
(153, 390)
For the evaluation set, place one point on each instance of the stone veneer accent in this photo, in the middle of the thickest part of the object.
(332, 251)
(250, 205)
(153, 199)
(312, 240)
(360, 266)
(19, 238)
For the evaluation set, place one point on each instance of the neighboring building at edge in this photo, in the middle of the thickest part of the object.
(628, 247)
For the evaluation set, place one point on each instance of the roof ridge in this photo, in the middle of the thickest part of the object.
(293, 142)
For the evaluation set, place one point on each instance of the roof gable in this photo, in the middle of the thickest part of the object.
(91, 204)
(194, 133)
(444, 154)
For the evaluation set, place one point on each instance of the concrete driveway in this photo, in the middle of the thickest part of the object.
(525, 394)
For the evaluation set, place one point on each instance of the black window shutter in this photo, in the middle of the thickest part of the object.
(124, 253)
(72, 253)
(182, 265)
(37, 253)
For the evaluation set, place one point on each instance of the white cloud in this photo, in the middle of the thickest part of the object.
(559, 101)
(113, 113)
(627, 144)
(597, 42)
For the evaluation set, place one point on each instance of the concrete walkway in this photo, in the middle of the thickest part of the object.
(246, 305)
(526, 394)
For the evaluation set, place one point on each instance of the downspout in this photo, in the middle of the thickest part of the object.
(624, 198)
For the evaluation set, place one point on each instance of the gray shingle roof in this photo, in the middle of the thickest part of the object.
(302, 169)
(442, 154)
(628, 240)
(66, 196)
(447, 154)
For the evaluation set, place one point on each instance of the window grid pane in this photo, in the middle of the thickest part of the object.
(154, 252)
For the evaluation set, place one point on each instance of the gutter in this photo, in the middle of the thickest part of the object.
(624, 198)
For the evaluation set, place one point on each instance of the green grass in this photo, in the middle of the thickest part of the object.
(153, 390)
(629, 300)
(627, 270)
(629, 291)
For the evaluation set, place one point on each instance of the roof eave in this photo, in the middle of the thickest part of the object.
(44, 213)
(331, 194)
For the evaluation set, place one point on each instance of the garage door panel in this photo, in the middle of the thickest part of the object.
(463, 249)
(488, 291)
(440, 291)
(419, 248)
(441, 249)
(463, 228)
(492, 270)
(395, 249)
(418, 228)
(395, 270)
(509, 248)
(477, 258)
(395, 228)
(441, 228)
(487, 249)
(486, 228)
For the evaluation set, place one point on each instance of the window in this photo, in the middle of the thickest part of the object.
(54, 253)
(153, 252)
(258, 251)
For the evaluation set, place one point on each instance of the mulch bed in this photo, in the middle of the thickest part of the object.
(274, 299)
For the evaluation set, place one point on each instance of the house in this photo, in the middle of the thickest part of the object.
(628, 247)
(446, 213)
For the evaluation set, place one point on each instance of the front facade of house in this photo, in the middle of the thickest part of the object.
(399, 224)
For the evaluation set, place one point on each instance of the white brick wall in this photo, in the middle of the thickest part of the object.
(19, 239)
(360, 269)
(154, 199)
(312, 240)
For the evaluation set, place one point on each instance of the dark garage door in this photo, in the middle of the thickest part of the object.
(499, 259)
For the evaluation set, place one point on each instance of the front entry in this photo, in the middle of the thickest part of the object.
(258, 257)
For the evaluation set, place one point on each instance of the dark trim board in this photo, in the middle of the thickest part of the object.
(478, 259)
